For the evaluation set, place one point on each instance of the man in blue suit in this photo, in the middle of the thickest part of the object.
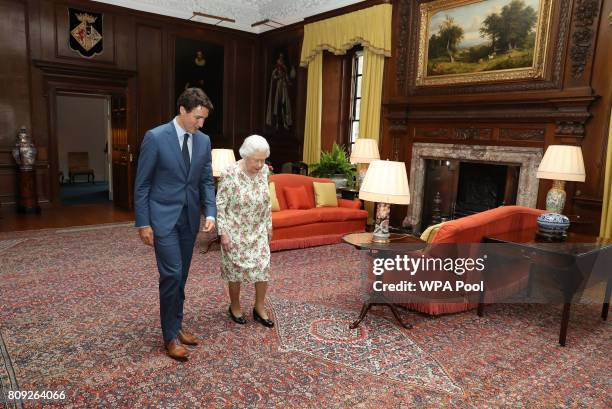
(174, 180)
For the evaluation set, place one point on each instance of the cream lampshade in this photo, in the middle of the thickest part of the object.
(560, 163)
(363, 152)
(386, 182)
(221, 158)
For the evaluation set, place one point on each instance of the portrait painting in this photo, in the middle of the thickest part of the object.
(281, 88)
(200, 64)
(467, 41)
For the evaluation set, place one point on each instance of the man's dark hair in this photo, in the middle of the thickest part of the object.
(192, 98)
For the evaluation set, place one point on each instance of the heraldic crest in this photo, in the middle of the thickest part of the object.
(85, 32)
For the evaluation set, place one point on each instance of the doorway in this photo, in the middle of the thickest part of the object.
(84, 147)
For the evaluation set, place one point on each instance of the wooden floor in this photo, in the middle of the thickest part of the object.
(63, 216)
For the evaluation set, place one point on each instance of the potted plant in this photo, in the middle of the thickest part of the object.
(336, 166)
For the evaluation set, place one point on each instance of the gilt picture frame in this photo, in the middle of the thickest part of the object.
(482, 41)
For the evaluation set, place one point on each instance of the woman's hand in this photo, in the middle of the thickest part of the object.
(225, 242)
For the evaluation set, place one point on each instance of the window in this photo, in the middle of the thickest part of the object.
(357, 73)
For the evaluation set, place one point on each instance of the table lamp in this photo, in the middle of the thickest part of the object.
(363, 152)
(221, 158)
(560, 163)
(385, 182)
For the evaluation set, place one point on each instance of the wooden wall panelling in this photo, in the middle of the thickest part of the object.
(150, 63)
(15, 108)
(396, 85)
(244, 89)
(14, 72)
(331, 100)
(582, 40)
(229, 90)
(8, 178)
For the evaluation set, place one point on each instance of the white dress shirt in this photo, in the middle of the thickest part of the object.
(180, 133)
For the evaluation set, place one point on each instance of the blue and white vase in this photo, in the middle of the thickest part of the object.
(553, 223)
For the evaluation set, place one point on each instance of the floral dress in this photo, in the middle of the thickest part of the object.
(244, 213)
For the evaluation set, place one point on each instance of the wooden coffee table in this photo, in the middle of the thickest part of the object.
(363, 241)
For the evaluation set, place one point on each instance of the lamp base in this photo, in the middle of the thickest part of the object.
(381, 229)
(555, 198)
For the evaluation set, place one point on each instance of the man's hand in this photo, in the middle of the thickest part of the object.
(209, 226)
(146, 235)
(225, 242)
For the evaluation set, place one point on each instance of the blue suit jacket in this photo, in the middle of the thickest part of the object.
(163, 185)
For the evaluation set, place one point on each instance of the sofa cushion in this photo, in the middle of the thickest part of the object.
(430, 232)
(273, 198)
(297, 197)
(288, 218)
(349, 204)
(282, 179)
(325, 194)
(340, 214)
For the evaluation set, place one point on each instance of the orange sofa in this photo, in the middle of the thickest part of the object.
(509, 277)
(314, 226)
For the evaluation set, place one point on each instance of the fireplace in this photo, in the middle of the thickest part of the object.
(450, 180)
(455, 188)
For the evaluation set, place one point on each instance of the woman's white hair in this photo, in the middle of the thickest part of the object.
(252, 144)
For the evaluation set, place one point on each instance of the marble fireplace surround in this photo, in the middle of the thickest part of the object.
(528, 158)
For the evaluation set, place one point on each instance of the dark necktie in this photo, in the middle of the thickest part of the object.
(186, 151)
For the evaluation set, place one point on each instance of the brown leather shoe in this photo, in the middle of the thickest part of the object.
(176, 350)
(187, 338)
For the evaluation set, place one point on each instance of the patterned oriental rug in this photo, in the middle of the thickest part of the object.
(79, 315)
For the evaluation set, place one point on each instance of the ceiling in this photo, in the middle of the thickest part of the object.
(245, 12)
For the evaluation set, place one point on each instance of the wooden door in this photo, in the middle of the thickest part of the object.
(122, 156)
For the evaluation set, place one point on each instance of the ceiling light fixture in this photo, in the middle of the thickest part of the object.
(219, 18)
(268, 22)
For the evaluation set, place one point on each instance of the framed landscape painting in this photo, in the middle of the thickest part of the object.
(469, 41)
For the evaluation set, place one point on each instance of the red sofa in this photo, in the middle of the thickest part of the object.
(314, 226)
(472, 229)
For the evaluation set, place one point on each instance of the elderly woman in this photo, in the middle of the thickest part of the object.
(244, 219)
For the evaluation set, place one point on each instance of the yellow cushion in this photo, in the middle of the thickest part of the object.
(430, 232)
(325, 194)
(273, 198)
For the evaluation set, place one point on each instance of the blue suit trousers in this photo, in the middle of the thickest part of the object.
(173, 253)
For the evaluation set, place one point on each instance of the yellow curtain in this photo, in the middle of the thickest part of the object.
(312, 129)
(371, 98)
(371, 95)
(606, 212)
(370, 27)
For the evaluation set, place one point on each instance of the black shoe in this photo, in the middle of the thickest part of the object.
(266, 323)
(238, 320)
